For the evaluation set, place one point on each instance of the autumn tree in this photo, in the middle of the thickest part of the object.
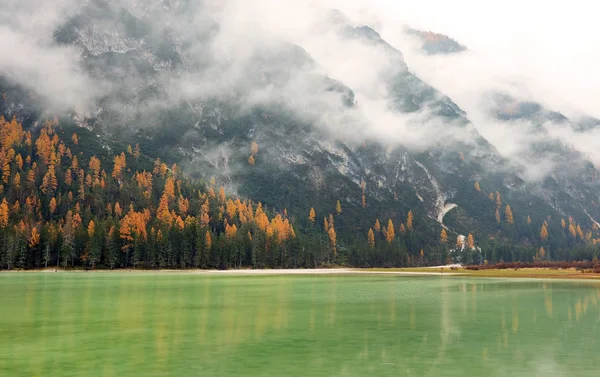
(477, 187)
(509, 215)
(49, 182)
(498, 200)
(332, 239)
(312, 215)
(443, 236)
(409, 220)
(470, 241)
(120, 162)
(377, 226)
(391, 233)
(497, 215)
(371, 238)
(544, 233)
(338, 207)
(4, 211)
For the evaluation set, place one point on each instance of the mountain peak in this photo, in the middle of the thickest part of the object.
(436, 43)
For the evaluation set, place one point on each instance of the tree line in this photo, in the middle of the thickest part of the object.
(61, 206)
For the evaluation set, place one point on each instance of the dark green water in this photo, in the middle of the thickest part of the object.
(110, 324)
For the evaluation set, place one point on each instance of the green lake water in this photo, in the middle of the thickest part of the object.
(178, 324)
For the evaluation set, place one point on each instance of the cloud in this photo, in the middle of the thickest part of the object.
(534, 51)
(33, 60)
(551, 59)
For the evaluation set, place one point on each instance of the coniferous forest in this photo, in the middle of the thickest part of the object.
(73, 203)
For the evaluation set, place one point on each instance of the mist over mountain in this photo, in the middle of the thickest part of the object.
(335, 94)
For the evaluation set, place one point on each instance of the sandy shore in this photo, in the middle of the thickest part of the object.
(315, 271)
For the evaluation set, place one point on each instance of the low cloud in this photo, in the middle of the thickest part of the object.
(550, 59)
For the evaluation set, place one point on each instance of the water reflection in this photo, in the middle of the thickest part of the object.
(155, 325)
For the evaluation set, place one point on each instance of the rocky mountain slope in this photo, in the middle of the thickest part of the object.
(170, 85)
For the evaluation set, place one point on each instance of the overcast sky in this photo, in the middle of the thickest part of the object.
(536, 50)
(552, 45)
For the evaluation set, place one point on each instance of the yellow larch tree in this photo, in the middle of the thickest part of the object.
(477, 187)
(402, 229)
(222, 194)
(91, 228)
(508, 215)
(391, 233)
(443, 236)
(332, 239)
(312, 215)
(544, 233)
(52, 206)
(377, 226)
(409, 220)
(338, 207)
(34, 239)
(4, 210)
(207, 241)
(371, 238)
(470, 241)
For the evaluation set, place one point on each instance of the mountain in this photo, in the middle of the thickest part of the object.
(170, 79)
(435, 43)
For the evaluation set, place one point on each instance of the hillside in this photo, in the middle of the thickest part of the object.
(390, 147)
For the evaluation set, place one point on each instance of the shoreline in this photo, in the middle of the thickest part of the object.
(312, 271)
(525, 273)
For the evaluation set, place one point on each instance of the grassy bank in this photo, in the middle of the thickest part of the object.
(569, 273)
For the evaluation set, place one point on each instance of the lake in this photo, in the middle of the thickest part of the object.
(182, 324)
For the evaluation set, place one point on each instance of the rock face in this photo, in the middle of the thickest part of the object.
(167, 93)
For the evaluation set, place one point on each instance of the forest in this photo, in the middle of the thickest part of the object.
(67, 201)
